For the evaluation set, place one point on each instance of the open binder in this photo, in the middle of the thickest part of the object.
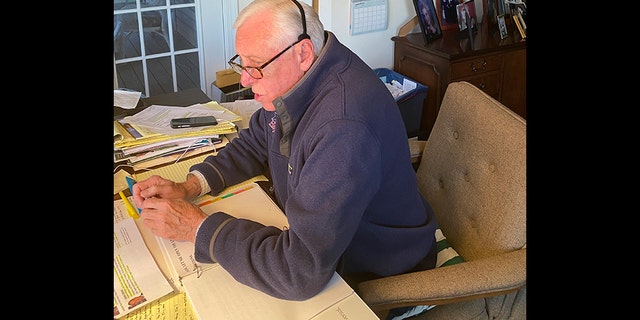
(213, 292)
(215, 295)
(246, 201)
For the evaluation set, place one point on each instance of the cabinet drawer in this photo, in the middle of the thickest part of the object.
(476, 66)
(489, 84)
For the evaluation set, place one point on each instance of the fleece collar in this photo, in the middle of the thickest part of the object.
(292, 105)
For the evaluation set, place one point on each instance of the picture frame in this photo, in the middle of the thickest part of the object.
(448, 15)
(502, 26)
(467, 17)
(428, 19)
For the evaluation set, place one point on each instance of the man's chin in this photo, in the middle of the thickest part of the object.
(268, 106)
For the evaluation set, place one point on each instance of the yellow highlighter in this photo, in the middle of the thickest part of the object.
(132, 212)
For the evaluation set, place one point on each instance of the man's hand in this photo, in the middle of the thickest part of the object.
(176, 219)
(157, 187)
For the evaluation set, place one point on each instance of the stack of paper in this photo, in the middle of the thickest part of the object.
(147, 139)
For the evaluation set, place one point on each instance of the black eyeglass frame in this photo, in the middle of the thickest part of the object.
(238, 67)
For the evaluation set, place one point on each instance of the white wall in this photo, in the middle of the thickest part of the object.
(375, 48)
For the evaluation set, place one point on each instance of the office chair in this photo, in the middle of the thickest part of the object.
(473, 172)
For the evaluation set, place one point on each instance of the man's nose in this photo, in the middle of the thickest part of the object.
(245, 79)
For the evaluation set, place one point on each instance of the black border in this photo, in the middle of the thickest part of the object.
(417, 4)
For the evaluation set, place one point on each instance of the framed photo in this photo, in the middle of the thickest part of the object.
(447, 13)
(502, 26)
(428, 18)
(467, 17)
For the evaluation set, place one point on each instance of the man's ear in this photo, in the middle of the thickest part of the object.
(306, 54)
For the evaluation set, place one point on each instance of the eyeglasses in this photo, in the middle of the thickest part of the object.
(256, 72)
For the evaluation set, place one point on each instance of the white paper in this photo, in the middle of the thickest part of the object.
(243, 108)
(126, 99)
(137, 279)
(157, 119)
(216, 295)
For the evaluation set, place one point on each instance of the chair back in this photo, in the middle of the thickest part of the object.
(473, 172)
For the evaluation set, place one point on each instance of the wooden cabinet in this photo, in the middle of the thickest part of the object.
(496, 66)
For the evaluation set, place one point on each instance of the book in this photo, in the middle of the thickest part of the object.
(523, 32)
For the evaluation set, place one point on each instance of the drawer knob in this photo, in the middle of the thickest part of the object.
(482, 63)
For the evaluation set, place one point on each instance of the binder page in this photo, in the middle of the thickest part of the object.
(216, 295)
(351, 307)
(249, 202)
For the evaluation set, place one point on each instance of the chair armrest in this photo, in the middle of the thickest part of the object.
(469, 280)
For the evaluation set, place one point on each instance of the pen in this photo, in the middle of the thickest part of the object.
(130, 210)
(224, 197)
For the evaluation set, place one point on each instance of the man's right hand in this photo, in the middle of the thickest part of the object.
(158, 187)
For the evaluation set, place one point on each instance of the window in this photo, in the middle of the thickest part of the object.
(156, 45)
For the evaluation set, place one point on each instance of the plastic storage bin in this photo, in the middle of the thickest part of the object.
(410, 103)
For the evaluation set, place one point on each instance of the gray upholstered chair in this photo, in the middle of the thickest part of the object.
(473, 172)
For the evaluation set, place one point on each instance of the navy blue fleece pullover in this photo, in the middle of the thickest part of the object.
(338, 156)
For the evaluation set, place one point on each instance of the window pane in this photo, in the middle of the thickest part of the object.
(124, 4)
(130, 75)
(160, 76)
(152, 3)
(126, 38)
(156, 31)
(187, 71)
(184, 29)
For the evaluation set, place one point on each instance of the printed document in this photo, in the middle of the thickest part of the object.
(137, 279)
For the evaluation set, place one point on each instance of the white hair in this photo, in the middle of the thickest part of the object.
(286, 21)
